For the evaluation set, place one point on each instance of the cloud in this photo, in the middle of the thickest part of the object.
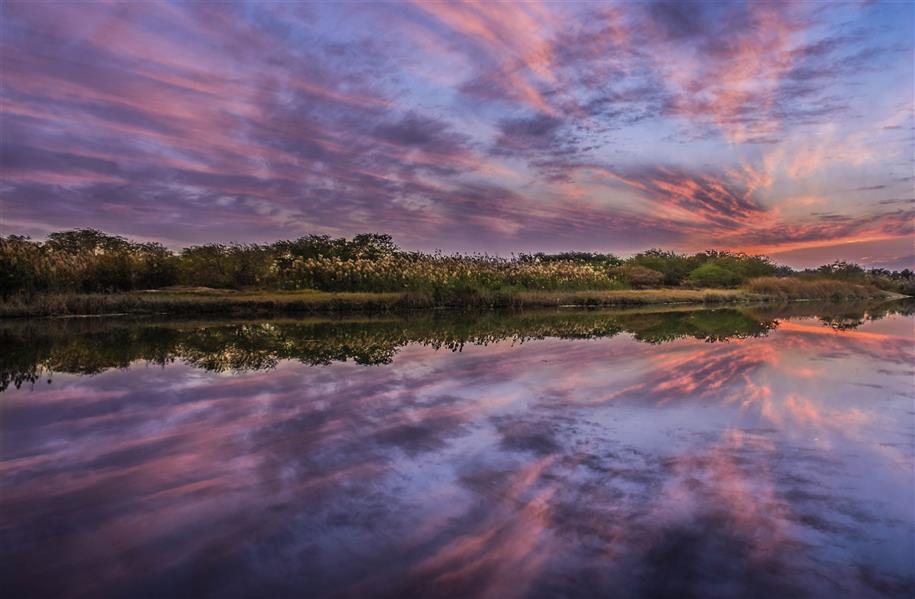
(706, 199)
(509, 127)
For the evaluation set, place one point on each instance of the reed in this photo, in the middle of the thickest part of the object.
(816, 289)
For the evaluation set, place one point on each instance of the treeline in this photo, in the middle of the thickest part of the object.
(89, 261)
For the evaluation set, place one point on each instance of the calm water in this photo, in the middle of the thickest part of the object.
(739, 453)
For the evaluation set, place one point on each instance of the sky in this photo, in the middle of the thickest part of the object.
(777, 128)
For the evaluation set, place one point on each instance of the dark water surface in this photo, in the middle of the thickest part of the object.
(730, 453)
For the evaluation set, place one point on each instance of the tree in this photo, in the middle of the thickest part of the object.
(204, 265)
(840, 269)
(21, 266)
(372, 246)
(85, 240)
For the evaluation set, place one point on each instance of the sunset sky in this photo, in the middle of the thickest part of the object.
(784, 129)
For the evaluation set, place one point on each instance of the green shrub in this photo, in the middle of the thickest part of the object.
(713, 275)
(672, 266)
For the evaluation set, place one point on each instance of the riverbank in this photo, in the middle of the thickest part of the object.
(228, 302)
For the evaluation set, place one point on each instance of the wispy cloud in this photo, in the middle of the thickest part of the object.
(472, 126)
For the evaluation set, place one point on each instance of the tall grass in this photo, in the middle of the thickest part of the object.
(442, 274)
(814, 289)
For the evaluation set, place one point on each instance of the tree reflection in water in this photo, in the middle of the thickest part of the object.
(32, 350)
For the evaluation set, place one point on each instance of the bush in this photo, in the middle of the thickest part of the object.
(713, 275)
(743, 265)
(676, 268)
(639, 277)
(672, 266)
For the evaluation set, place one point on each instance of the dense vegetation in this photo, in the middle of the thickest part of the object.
(89, 261)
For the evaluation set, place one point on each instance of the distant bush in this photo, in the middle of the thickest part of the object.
(743, 265)
(840, 269)
(677, 268)
(673, 267)
(638, 276)
(713, 275)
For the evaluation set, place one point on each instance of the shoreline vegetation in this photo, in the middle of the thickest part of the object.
(87, 272)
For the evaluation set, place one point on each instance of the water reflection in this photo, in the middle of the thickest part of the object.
(30, 350)
(581, 462)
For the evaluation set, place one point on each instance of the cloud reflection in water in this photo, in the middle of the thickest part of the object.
(761, 466)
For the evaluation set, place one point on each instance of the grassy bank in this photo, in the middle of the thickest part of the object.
(784, 288)
(211, 301)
